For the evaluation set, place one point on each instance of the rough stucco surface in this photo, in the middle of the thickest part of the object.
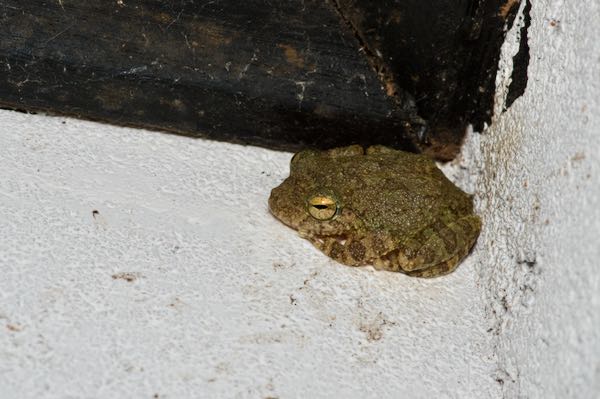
(180, 284)
(224, 301)
(538, 194)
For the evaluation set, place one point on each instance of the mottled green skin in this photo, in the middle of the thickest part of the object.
(397, 210)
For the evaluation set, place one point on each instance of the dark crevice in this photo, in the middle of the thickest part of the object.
(519, 76)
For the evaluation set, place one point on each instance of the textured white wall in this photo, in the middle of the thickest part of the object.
(540, 199)
(224, 301)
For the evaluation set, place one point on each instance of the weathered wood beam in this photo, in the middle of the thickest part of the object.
(285, 74)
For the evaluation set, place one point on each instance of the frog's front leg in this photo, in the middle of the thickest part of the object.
(351, 252)
(443, 248)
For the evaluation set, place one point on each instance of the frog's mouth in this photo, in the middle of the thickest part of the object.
(341, 239)
(321, 239)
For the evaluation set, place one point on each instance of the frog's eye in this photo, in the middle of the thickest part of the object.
(322, 207)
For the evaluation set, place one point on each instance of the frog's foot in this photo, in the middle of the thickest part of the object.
(355, 250)
(344, 250)
(437, 252)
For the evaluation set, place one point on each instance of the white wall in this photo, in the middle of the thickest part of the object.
(224, 301)
(540, 199)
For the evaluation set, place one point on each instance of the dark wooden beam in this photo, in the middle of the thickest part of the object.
(285, 74)
(444, 53)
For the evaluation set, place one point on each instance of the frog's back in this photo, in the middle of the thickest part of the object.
(397, 191)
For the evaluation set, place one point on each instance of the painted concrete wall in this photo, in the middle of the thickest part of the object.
(539, 195)
(139, 264)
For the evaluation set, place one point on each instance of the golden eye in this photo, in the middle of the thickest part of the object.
(322, 207)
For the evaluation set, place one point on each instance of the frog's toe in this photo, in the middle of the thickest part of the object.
(440, 269)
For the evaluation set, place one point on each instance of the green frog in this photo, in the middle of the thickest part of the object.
(388, 208)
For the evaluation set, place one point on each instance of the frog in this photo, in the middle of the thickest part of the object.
(378, 206)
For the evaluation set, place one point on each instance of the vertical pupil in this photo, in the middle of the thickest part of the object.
(322, 207)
